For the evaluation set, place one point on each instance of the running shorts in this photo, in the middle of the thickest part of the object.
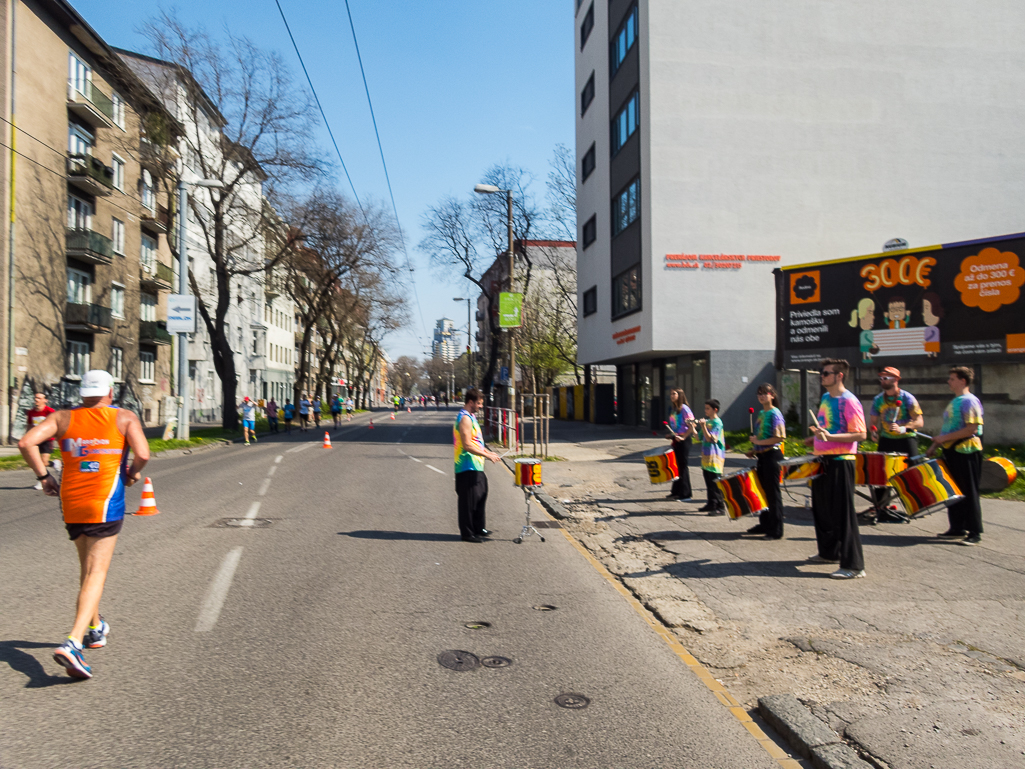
(96, 530)
(250, 423)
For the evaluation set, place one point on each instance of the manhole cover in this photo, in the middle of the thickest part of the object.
(546, 524)
(496, 662)
(545, 607)
(241, 523)
(479, 625)
(572, 701)
(455, 659)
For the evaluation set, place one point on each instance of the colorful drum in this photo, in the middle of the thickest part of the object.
(876, 468)
(926, 488)
(997, 474)
(528, 472)
(661, 465)
(743, 494)
(799, 470)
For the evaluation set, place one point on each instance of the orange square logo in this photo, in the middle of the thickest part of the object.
(805, 287)
(1016, 343)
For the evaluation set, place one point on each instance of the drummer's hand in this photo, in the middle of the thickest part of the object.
(893, 427)
(493, 456)
(933, 447)
(750, 454)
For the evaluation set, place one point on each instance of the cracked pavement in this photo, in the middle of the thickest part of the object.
(921, 664)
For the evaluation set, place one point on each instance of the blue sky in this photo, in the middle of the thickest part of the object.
(457, 86)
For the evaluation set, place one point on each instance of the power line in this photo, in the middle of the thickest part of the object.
(384, 163)
(321, 108)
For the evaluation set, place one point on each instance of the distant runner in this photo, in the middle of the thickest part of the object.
(336, 411)
(95, 438)
(248, 419)
(304, 413)
(316, 410)
(289, 412)
(36, 416)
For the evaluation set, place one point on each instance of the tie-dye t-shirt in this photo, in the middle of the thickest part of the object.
(842, 414)
(902, 408)
(713, 452)
(769, 424)
(964, 410)
(464, 460)
(678, 421)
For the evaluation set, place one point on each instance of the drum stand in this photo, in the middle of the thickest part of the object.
(528, 529)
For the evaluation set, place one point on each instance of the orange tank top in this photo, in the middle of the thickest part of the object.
(93, 452)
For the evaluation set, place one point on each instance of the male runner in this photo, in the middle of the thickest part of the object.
(894, 417)
(304, 413)
(35, 416)
(248, 419)
(471, 482)
(95, 438)
(316, 410)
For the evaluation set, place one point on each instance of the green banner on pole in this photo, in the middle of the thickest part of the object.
(510, 310)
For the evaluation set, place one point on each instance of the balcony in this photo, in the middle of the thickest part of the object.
(156, 222)
(273, 287)
(159, 278)
(91, 105)
(89, 246)
(154, 332)
(91, 318)
(89, 174)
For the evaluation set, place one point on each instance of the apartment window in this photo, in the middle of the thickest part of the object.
(147, 307)
(147, 366)
(149, 196)
(117, 300)
(117, 236)
(78, 358)
(588, 163)
(80, 75)
(118, 108)
(79, 286)
(590, 233)
(80, 213)
(117, 364)
(626, 207)
(587, 26)
(624, 40)
(591, 301)
(256, 343)
(587, 95)
(625, 122)
(626, 292)
(117, 165)
(148, 254)
(80, 140)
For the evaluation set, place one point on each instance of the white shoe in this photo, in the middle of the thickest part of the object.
(847, 574)
(819, 559)
(38, 486)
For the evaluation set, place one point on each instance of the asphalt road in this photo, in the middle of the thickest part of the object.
(312, 640)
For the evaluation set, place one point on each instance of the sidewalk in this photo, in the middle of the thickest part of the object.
(921, 664)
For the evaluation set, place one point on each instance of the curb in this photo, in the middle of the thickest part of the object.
(807, 734)
(554, 508)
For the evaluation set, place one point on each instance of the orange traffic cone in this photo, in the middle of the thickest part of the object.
(409, 410)
(148, 504)
(371, 425)
(392, 415)
(327, 441)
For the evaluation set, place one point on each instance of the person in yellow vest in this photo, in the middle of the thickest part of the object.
(95, 439)
(471, 482)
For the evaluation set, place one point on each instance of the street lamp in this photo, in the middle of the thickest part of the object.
(183, 289)
(469, 338)
(490, 189)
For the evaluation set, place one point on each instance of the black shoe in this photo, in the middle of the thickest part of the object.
(705, 509)
(866, 519)
(684, 499)
(972, 539)
(486, 533)
(772, 537)
(478, 540)
(716, 512)
(953, 534)
(759, 529)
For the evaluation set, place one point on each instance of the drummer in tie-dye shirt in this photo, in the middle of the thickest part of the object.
(713, 457)
(894, 418)
(961, 439)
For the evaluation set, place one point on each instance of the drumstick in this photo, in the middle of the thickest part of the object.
(751, 419)
(814, 419)
(675, 435)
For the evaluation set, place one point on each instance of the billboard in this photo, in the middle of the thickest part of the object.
(957, 303)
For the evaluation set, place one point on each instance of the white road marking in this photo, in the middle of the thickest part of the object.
(214, 601)
(273, 469)
(253, 510)
(415, 459)
(264, 486)
(437, 470)
(299, 448)
(278, 458)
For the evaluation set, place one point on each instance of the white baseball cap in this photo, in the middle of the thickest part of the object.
(96, 384)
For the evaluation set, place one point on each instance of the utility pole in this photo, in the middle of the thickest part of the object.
(512, 331)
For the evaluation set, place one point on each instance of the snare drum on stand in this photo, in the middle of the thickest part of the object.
(799, 470)
(926, 488)
(743, 494)
(876, 468)
(661, 464)
(528, 477)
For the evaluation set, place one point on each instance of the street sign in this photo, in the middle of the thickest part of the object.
(181, 313)
(503, 375)
(510, 310)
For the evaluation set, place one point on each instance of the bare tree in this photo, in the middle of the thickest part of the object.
(404, 374)
(247, 124)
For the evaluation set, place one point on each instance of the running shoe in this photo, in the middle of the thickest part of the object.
(972, 539)
(819, 559)
(254, 437)
(72, 659)
(96, 638)
(847, 574)
(247, 443)
(953, 534)
(38, 486)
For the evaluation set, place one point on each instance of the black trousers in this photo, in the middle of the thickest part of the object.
(965, 469)
(836, 522)
(767, 470)
(716, 501)
(472, 491)
(681, 486)
(908, 446)
(273, 424)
